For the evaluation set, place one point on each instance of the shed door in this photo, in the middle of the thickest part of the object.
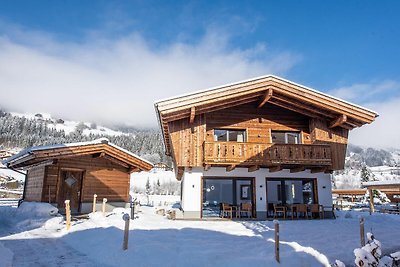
(70, 188)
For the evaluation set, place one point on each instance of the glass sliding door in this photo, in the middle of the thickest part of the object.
(290, 191)
(233, 191)
(215, 192)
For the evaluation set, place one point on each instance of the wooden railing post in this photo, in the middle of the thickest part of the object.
(276, 223)
(67, 214)
(104, 206)
(362, 235)
(94, 203)
(126, 218)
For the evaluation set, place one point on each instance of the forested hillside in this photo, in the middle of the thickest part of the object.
(21, 132)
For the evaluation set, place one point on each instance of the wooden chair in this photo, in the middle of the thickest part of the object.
(226, 210)
(316, 208)
(279, 209)
(247, 209)
(301, 208)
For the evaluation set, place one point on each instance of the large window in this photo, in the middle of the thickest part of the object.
(279, 137)
(233, 191)
(229, 135)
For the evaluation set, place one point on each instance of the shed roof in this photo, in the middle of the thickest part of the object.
(266, 89)
(100, 147)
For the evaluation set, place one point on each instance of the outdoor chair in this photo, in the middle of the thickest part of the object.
(316, 209)
(301, 208)
(246, 208)
(279, 209)
(226, 210)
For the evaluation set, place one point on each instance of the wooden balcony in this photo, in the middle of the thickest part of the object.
(248, 154)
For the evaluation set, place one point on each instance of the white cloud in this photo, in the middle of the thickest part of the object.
(382, 97)
(385, 131)
(368, 92)
(117, 81)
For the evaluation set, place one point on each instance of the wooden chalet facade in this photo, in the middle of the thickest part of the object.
(76, 172)
(277, 139)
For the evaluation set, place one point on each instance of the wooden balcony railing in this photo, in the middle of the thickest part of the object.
(266, 154)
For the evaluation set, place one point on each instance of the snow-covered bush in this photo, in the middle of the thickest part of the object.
(370, 255)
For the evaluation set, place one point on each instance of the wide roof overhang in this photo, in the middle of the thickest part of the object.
(44, 155)
(262, 90)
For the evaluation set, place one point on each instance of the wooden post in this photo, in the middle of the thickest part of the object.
(276, 240)
(126, 218)
(362, 235)
(104, 206)
(94, 203)
(371, 201)
(67, 214)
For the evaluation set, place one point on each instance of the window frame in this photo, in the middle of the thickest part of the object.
(244, 131)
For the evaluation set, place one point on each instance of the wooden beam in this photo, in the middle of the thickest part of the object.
(179, 173)
(253, 168)
(134, 169)
(318, 169)
(275, 168)
(230, 168)
(207, 167)
(192, 114)
(297, 169)
(98, 155)
(42, 164)
(265, 98)
(338, 121)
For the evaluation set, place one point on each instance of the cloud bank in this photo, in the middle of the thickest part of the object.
(384, 98)
(117, 81)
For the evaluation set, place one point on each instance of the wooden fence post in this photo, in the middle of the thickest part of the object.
(67, 214)
(362, 235)
(126, 218)
(276, 240)
(104, 206)
(371, 201)
(94, 203)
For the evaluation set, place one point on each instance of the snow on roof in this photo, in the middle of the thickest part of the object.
(260, 78)
(26, 152)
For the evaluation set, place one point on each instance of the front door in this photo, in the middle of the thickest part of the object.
(70, 188)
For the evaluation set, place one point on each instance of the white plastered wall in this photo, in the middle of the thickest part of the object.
(191, 194)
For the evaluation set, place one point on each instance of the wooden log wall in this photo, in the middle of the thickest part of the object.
(337, 137)
(34, 183)
(101, 177)
(187, 138)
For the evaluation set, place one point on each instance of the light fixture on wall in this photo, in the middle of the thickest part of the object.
(261, 185)
(324, 187)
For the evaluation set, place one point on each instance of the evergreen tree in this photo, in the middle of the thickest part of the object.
(148, 187)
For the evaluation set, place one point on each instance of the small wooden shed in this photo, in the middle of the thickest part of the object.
(77, 171)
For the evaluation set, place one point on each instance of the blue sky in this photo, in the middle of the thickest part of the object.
(100, 50)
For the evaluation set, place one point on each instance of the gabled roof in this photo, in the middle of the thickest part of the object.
(99, 147)
(266, 89)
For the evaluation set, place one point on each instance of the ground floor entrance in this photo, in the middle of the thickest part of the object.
(223, 196)
(282, 192)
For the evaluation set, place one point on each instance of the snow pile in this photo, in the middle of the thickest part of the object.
(36, 210)
(6, 256)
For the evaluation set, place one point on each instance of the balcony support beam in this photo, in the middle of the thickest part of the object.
(297, 169)
(318, 169)
(265, 98)
(253, 168)
(207, 167)
(230, 168)
(339, 121)
(275, 168)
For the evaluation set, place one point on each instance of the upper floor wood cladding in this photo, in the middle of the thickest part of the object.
(258, 107)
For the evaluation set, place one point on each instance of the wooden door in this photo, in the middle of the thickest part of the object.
(70, 188)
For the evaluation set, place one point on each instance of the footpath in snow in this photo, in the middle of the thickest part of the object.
(31, 237)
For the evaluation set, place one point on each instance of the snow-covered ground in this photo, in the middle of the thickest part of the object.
(30, 237)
